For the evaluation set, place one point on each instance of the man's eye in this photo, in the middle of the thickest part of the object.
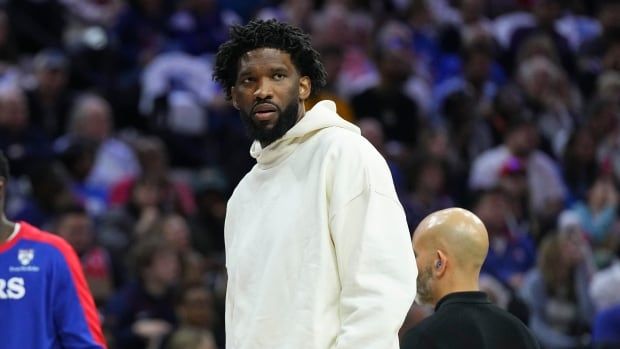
(278, 76)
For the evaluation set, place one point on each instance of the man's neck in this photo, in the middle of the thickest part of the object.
(468, 285)
(6, 229)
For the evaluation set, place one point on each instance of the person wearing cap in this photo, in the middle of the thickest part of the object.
(450, 246)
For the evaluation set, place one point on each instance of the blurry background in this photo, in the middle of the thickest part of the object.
(120, 142)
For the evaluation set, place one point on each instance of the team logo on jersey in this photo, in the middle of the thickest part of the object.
(25, 256)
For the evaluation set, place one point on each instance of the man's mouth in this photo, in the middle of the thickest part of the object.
(264, 111)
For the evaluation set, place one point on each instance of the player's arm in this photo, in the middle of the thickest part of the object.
(375, 258)
(76, 318)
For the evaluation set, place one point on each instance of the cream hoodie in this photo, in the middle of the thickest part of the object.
(317, 247)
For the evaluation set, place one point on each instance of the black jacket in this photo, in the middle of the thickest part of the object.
(469, 320)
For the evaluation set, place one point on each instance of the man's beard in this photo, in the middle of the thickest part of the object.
(424, 294)
(286, 119)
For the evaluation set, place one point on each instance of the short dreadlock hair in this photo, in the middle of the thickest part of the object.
(4, 167)
(268, 34)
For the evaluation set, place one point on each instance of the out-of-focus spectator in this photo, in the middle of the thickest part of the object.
(196, 309)
(546, 188)
(428, 190)
(395, 155)
(154, 161)
(598, 216)
(23, 142)
(75, 226)
(474, 80)
(346, 25)
(604, 124)
(513, 182)
(78, 159)
(176, 232)
(332, 57)
(552, 100)
(511, 252)
(545, 12)
(139, 35)
(387, 102)
(211, 190)
(556, 292)
(122, 226)
(50, 98)
(91, 120)
(579, 164)
(591, 52)
(475, 23)
(141, 314)
(48, 195)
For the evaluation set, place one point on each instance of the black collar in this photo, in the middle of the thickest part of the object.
(463, 297)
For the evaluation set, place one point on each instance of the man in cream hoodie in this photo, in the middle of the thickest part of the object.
(317, 247)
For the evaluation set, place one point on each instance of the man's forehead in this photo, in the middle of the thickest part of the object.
(266, 53)
(265, 59)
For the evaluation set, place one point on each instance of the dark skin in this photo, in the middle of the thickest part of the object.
(267, 82)
(6, 226)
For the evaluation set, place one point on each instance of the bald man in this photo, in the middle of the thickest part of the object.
(450, 246)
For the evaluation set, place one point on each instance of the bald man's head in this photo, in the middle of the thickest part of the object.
(450, 247)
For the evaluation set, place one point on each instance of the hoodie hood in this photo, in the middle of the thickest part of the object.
(322, 115)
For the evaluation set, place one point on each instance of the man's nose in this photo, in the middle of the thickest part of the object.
(264, 89)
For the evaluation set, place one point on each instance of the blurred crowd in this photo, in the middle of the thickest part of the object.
(120, 142)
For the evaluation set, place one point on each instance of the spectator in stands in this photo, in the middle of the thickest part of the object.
(556, 292)
(50, 99)
(545, 12)
(207, 225)
(49, 195)
(598, 216)
(153, 158)
(141, 314)
(428, 190)
(546, 188)
(75, 226)
(552, 100)
(23, 142)
(511, 252)
(91, 120)
(196, 310)
(579, 164)
(387, 102)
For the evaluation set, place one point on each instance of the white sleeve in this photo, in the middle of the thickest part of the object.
(377, 270)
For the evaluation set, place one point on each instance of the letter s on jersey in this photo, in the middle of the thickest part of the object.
(14, 288)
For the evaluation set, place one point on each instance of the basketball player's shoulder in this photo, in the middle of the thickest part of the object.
(340, 139)
(33, 233)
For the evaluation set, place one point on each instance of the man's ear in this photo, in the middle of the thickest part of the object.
(233, 98)
(441, 264)
(305, 88)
